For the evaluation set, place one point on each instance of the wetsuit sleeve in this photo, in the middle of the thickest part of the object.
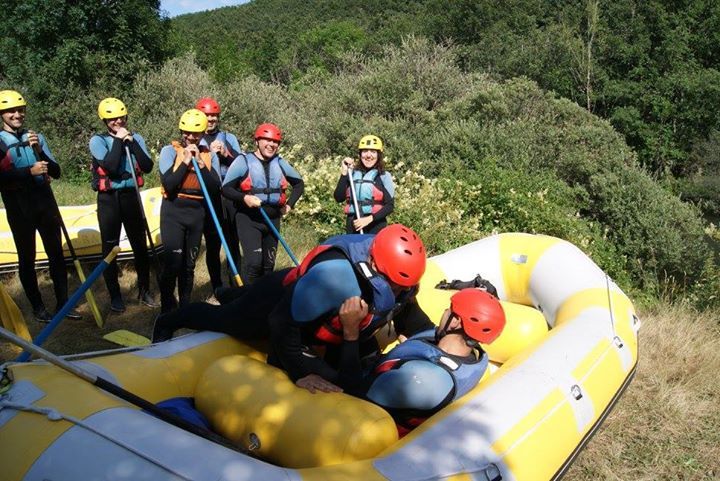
(142, 157)
(212, 177)
(233, 146)
(412, 319)
(171, 179)
(47, 156)
(341, 188)
(237, 171)
(110, 160)
(385, 184)
(295, 180)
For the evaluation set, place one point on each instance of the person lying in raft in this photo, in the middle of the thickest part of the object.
(433, 368)
(321, 316)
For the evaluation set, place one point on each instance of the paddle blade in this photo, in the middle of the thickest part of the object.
(127, 338)
(12, 318)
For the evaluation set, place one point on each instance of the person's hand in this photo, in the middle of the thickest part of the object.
(218, 147)
(39, 168)
(314, 383)
(346, 164)
(352, 312)
(189, 152)
(123, 134)
(362, 222)
(33, 140)
(285, 210)
(252, 201)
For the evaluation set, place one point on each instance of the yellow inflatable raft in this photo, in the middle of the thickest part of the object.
(568, 351)
(82, 225)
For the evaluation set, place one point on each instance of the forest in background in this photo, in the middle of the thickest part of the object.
(588, 120)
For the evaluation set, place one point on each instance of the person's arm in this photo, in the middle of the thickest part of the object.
(53, 168)
(171, 179)
(237, 171)
(296, 181)
(142, 157)
(385, 184)
(108, 159)
(412, 319)
(340, 193)
(211, 177)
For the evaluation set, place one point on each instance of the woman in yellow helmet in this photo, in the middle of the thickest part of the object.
(117, 201)
(182, 214)
(373, 190)
(26, 166)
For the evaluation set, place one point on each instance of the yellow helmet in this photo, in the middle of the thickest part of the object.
(193, 120)
(10, 99)
(372, 142)
(111, 108)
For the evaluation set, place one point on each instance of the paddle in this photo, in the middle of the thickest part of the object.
(209, 203)
(278, 236)
(60, 315)
(353, 195)
(123, 337)
(142, 214)
(11, 316)
(116, 390)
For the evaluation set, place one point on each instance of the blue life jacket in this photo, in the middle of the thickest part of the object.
(410, 377)
(103, 181)
(269, 188)
(369, 197)
(20, 153)
(383, 306)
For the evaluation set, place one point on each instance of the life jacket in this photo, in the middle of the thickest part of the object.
(383, 306)
(268, 186)
(220, 135)
(369, 197)
(19, 155)
(190, 187)
(101, 179)
(465, 375)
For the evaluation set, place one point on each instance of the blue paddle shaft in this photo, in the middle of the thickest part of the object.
(279, 237)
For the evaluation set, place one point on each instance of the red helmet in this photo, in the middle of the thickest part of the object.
(481, 314)
(208, 105)
(268, 131)
(399, 254)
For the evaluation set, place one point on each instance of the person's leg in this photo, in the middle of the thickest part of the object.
(173, 237)
(193, 219)
(212, 247)
(135, 230)
(108, 214)
(22, 227)
(50, 233)
(251, 243)
(269, 247)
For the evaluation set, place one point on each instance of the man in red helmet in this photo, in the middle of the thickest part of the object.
(433, 368)
(227, 148)
(321, 316)
(255, 181)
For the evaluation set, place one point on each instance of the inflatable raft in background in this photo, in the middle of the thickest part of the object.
(82, 225)
(569, 350)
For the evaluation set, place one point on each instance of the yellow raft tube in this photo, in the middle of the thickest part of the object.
(82, 225)
(567, 353)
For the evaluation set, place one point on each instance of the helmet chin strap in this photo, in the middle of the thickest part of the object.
(444, 330)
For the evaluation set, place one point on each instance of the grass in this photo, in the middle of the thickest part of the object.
(665, 427)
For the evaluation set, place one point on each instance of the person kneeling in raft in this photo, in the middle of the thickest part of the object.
(321, 316)
(433, 368)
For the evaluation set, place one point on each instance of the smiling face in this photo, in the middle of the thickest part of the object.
(191, 138)
(13, 119)
(267, 148)
(213, 121)
(113, 125)
(369, 158)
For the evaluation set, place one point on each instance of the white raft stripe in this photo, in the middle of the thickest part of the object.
(22, 392)
(176, 455)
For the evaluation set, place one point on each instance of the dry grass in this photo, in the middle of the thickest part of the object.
(665, 427)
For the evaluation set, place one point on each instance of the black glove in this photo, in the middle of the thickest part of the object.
(477, 283)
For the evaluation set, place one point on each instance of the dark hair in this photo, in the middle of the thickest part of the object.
(379, 165)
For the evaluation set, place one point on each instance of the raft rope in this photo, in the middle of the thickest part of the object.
(616, 339)
(55, 415)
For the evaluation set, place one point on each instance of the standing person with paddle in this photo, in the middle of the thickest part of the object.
(182, 214)
(256, 181)
(26, 167)
(370, 197)
(117, 202)
(227, 148)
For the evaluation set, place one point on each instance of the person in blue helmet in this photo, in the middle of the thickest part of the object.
(433, 368)
(373, 188)
(321, 316)
(227, 148)
(259, 180)
(26, 168)
(117, 200)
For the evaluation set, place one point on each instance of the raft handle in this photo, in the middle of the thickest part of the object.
(576, 392)
(254, 443)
